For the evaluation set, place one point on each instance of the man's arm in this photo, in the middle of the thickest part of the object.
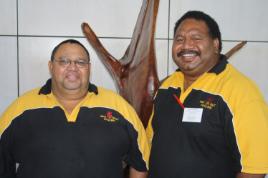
(133, 173)
(245, 175)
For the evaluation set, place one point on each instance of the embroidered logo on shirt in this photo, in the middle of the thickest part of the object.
(208, 103)
(109, 117)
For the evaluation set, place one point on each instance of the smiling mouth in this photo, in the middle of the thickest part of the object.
(188, 53)
(72, 77)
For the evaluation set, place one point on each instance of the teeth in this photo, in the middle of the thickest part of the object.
(189, 55)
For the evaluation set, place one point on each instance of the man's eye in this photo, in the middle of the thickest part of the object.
(81, 63)
(179, 39)
(63, 62)
(197, 38)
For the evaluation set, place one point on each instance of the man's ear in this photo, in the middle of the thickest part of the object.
(50, 66)
(216, 45)
(89, 68)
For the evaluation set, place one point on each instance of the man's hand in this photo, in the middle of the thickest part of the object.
(133, 173)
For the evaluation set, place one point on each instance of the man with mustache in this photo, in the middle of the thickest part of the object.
(208, 120)
(70, 128)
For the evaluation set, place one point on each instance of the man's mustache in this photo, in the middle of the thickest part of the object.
(183, 52)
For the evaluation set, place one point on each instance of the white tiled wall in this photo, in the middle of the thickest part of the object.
(25, 49)
(44, 23)
(238, 20)
(8, 71)
(64, 17)
(8, 17)
(8, 53)
(113, 18)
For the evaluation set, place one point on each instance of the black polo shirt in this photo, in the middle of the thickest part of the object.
(211, 130)
(44, 141)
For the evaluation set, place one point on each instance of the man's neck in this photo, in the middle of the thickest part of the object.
(188, 81)
(69, 100)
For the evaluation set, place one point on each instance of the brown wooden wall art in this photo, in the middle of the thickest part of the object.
(135, 73)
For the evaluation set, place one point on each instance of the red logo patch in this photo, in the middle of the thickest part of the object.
(109, 117)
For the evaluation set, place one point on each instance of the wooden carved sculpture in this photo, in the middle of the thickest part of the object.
(135, 73)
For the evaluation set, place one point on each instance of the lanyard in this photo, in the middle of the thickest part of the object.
(178, 101)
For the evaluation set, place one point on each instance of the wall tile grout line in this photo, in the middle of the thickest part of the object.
(18, 68)
(117, 38)
(168, 46)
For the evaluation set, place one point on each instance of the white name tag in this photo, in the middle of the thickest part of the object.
(192, 115)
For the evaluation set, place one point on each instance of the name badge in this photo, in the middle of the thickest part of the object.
(192, 115)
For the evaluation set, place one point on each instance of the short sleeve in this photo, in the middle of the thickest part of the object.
(251, 129)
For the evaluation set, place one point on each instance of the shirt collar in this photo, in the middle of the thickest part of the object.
(46, 89)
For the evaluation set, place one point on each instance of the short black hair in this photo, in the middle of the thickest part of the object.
(214, 30)
(72, 41)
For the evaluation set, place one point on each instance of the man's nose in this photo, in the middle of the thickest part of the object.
(72, 65)
(188, 43)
